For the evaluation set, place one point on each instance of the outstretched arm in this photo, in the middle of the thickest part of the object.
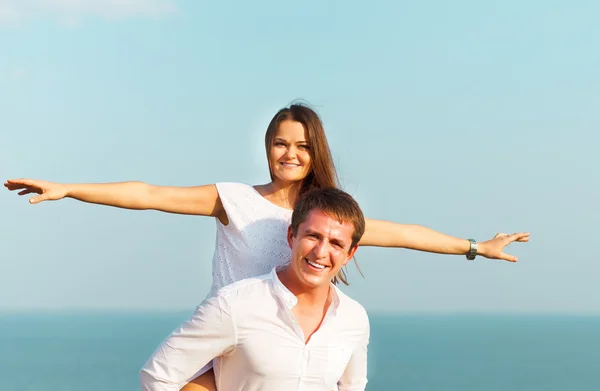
(198, 200)
(382, 233)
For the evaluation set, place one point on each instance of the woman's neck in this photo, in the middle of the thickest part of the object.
(281, 194)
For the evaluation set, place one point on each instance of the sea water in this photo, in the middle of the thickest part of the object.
(56, 351)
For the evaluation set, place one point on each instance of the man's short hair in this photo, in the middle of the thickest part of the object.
(336, 203)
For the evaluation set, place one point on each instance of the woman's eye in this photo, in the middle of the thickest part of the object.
(304, 147)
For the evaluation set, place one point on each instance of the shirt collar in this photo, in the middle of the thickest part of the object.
(290, 300)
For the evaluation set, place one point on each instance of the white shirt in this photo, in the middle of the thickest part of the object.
(254, 240)
(259, 346)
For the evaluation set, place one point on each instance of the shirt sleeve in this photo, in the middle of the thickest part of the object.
(209, 333)
(355, 374)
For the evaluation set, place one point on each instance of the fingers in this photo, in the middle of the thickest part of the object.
(16, 184)
(12, 187)
(21, 181)
(509, 258)
(27, 189)
(516, 237)
(519, 237)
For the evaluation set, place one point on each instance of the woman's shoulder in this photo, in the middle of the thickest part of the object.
(232, 185)
(239, 193)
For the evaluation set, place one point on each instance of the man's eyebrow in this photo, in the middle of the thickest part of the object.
(340, 242)
(313, 232)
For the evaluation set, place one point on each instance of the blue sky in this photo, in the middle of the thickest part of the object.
(467, 117)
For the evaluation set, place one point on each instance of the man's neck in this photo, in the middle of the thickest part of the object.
(308, 297)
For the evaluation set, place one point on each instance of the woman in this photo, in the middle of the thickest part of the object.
(252, 220)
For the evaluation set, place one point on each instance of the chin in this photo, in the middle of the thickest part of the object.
(315, 281)
(290, 178)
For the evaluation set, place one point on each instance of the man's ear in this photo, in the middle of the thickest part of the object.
(290, 236)
(351, 254)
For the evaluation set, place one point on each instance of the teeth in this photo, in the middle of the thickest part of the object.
(315, 265)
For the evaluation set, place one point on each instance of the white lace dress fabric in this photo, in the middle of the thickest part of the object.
(254, 241)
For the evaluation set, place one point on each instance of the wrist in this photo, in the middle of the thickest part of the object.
(466, 247)
(68, 190)
(481, 249)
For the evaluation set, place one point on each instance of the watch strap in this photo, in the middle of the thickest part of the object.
(472, 250)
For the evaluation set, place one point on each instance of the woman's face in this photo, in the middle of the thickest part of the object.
(289, 156)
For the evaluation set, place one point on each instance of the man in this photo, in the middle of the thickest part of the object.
(289, 330)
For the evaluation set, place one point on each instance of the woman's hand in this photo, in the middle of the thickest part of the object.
(494, 248)
(48, 191)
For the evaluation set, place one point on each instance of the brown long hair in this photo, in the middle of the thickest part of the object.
(322, 173)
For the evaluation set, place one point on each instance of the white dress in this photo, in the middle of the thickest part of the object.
(251, 244)
(254, 241)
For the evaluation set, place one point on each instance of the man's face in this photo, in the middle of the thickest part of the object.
(320, 248)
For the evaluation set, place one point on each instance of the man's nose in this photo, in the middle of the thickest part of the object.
(320, 249)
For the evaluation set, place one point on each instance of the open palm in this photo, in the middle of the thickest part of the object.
(48, 191)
